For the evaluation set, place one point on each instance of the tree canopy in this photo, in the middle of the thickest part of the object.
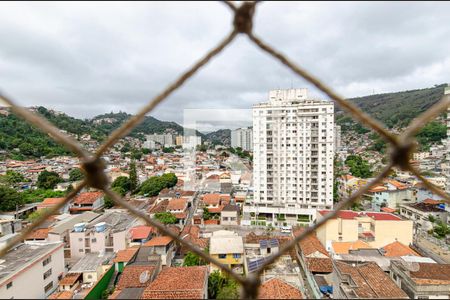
(9, 199)
(166, 218)
(48, 180)
(358, 166)
(76, 174)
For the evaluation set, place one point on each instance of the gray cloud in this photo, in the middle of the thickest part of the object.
(90, 58)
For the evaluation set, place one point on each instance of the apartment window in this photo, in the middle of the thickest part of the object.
(47, 274)
(81, 250)
(94, 240)
(9, 285)
(222, 256)
(236, 255)
(46, 261)
(48, 287)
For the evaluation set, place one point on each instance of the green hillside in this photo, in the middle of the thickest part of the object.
(396, 109)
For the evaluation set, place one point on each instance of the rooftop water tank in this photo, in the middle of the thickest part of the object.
(79, 227)
(100, 227)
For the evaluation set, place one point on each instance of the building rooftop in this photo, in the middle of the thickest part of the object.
(23, 256)
(115, 220)
(223, 241)
(278, 289)
(430, 273)
(141, 232)
(126, 255)
(398, 249)
(69, 222)
(158, 241)
(367, 280)
(136, 276)
(91, 261)
(177, 204)
(425, 207)
(344, 247)
(178, 283)
(350, 215)
(87, 197)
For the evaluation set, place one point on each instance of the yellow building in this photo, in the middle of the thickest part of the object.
(228, 248)
(375, 228)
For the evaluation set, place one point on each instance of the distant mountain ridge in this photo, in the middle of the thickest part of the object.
(19, 139)
(396, 109)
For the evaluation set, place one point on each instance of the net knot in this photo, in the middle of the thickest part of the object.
(402, 154)
(243, 18)
(95, 175)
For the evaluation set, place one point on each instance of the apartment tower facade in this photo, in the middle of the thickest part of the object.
(242, 137)
(293, 148)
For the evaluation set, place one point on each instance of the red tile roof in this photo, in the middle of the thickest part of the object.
(430, 273)
(50, 202)
(370, 281)
(350, 215)
(317, 257)
(159, 241)
(211, 199)
(211, 222)
(130, 277)
(38, 234)
(125, 255)
(141, 232)
(388, 209)
(398, 249)
(344, 247)
(432, 202)
(70, 279)
(177, 204)
(87, 197)
(178, 283)
(278, 289)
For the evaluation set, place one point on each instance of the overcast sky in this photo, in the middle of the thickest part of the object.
(90, 58)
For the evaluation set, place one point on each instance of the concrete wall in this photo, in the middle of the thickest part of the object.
(30, 283)
(387, 232)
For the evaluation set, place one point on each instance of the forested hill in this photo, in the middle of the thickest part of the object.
(221, 136)
(20, 140)
(396, 109)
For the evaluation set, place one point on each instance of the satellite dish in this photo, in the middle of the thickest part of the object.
(144, 277)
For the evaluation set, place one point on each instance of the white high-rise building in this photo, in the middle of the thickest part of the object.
(242, 137)
(293, 150)
(337, 138)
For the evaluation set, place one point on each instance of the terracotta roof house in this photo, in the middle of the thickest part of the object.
(136, 276)
(70, 282)
(40, 234)
(163, 246)
(364, 280)
(191, 233)
(397, 249)
(179, 283)
(422, 280)
(88, 201)
(315, 254)
(278, 289)
(123, 257)
(141, 234)
(178, 207)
